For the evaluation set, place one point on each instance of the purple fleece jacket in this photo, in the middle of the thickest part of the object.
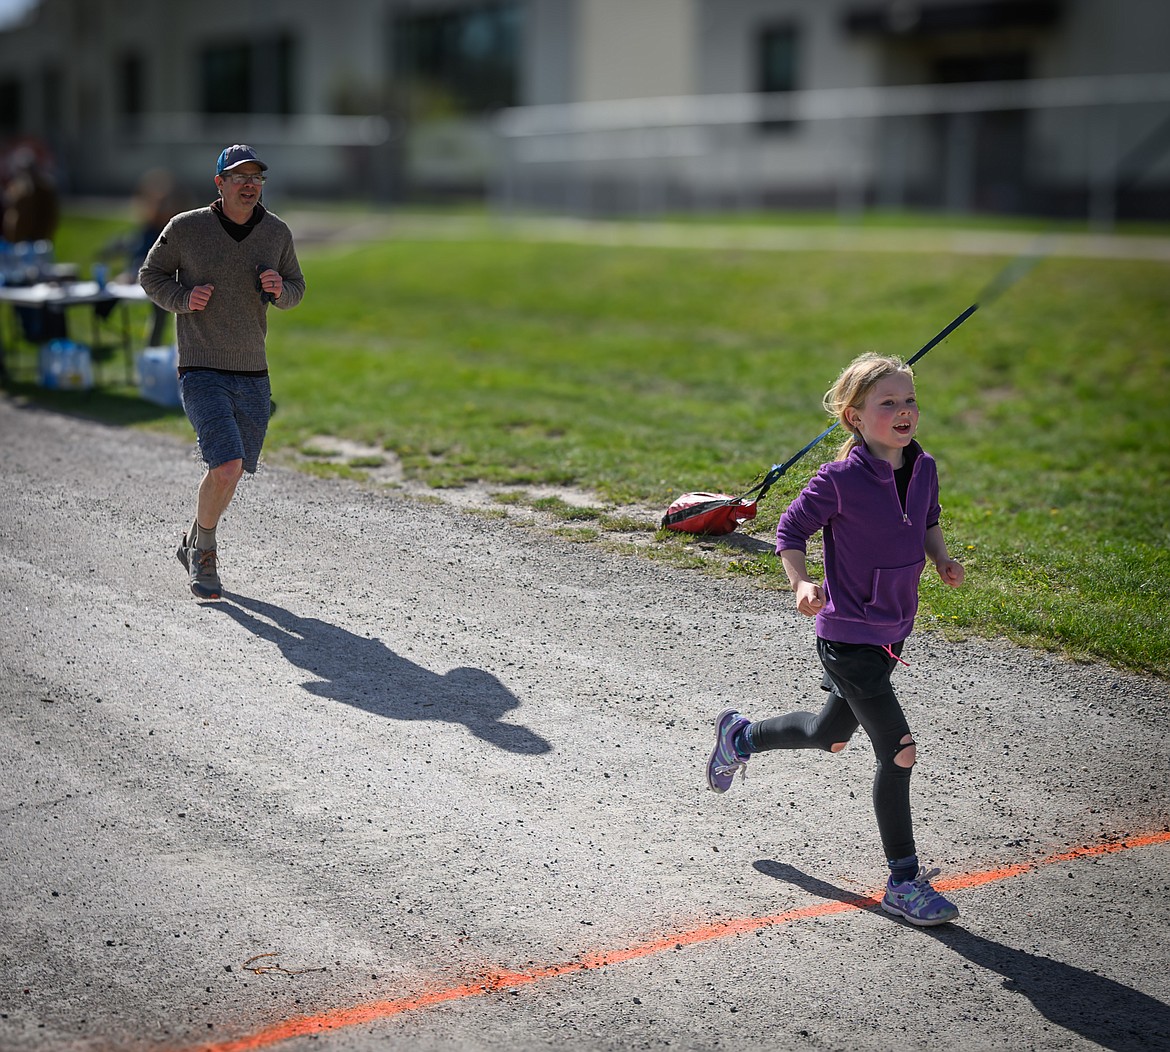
(874, 553)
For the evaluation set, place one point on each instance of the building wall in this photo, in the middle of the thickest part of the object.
(1097, 38)
(641, 49)
(592, 52)
(551, 60)
(729, 31)
(749, 158)
(340, 53)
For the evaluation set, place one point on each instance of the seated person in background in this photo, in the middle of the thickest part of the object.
(157, 199)
(31, 209)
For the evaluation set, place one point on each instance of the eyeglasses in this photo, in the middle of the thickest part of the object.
(239, 178)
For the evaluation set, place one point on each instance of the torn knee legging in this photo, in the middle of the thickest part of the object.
(885, 724)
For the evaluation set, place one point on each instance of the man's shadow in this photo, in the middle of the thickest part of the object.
(1098, 1009)
(369, 675)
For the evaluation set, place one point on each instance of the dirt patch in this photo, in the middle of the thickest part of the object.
(545, 505)
(570, 513)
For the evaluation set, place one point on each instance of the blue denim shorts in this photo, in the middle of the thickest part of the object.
(229, 413)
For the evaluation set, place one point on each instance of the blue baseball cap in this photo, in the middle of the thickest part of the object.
(234, 156)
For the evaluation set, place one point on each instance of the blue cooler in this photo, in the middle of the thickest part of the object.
(63, 365)
(158, 375)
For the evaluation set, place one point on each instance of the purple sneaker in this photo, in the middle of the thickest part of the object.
(725, 761)
(916, 901)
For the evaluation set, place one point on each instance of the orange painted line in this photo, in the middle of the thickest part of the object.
(496, 981)
(1109, 847)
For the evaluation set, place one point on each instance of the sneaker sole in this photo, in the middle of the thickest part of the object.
(918, 922)
(714, 752)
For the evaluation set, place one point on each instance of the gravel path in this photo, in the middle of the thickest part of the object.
(448, 767)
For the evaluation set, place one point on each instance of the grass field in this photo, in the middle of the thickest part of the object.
(641, 373)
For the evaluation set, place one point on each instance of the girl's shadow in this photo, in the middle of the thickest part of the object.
(369, 675)
(1108, 1013)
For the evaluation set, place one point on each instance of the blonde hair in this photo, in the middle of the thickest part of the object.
(851, 388)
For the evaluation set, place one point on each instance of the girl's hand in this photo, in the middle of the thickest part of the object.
(951, 572)
(810, 598)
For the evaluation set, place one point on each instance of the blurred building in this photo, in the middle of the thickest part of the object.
(606, 106)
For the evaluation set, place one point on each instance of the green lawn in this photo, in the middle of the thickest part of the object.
(644, 373)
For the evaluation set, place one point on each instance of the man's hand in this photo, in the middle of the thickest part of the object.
(200, 295)
(271, 282)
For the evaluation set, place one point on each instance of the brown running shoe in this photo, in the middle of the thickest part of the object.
(204, 580)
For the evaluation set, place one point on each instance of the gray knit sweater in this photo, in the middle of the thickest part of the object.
(195, 249)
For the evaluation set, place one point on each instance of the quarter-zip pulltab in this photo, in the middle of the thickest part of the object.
(894, 486)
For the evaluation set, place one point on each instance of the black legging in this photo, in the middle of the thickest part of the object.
(853, 671)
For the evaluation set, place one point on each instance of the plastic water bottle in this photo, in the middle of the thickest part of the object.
(43, 258)
(25, 262)
(78, 370)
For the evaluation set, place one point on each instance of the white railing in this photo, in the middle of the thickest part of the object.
(1077, 144)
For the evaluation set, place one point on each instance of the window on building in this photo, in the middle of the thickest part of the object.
(52, 94)
(130, 87)
(461, 61)
(965, 69)
(251, 77)
(776, 70)
(10, 106)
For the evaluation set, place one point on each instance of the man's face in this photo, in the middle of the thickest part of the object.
(241, 187)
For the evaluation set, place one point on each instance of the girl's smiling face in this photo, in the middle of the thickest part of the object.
(889, 418)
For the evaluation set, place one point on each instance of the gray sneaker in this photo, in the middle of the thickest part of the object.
(182, 555)
(185, 546)
(204, 580)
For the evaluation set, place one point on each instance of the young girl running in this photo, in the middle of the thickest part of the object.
(877, 507)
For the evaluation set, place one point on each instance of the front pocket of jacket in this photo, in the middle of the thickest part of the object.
(894, 594)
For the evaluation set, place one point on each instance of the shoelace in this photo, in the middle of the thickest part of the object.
(922, 886)
(203, 560)
(731, 768)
